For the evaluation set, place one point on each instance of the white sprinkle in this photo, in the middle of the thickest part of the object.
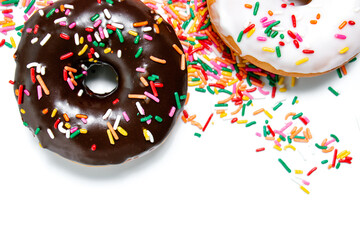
(150, 136)
(80, 93)
(107, 13)
(68, 6)
(117, 121)
(60, 127)
(38, 68)
(140, 108)
(42, 70)
(34, 40)
(41, 12)
(277, 12)
(119, 53)
(118, 25)
(83, 66)
(97, 55)
(106, 34)
(67, 134)
(45, 39)
(97, 36)
(147, 29)
(279, 29)
(51, 134)
(76, 38)
(58, 20)
(107, 114)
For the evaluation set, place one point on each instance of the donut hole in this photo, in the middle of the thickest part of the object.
(300, 2)
(101, 80)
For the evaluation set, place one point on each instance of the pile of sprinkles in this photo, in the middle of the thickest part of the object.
(212, 69)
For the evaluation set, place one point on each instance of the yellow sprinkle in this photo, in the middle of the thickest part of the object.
(281, 81)
(268, 114)
(111, 139)
(293, 81)
(282, 89)
(122, 131)
(9, 24)
(147, 138)
(242, 121)
(192, 84)
(268, 49)
(298, 172)
(226, 73)
(190, 39)
(174, 10)
(159, 21)
(206, 57)
(12, 41)
(279, 139)
(304, 189)
(344, 50)
(133, 33)
(289, 146)
(251, 32)
(245, 98)
(83, 130)
(67, 125)
(277, 148)
(81, 41)
(202, 12)
(233, 82)
(224, 114)
(83, 50)
(107, 50)
(191, 70)
(22, 111)
(301, 61)
(192, 28)
(216, 91)
(343, 154)
(54, 112)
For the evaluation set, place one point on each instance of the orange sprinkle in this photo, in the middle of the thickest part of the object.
(220, 111)
(248, 6)
(318, 16)
(192, 117)
(42, 84)
(137, 96)
(143, 80)
(62, 8)
(342, 25)
(270, 138)
(112, 131)
(158, 60)
(183, 62)
(270, 13)
(177, 49)
(237, 110)
(313, 21)
(156, 27)
(300, 140)
(140, 24)
(309, 133)
(289, 115)
(343, 69)
(323, 142)
(293, 130)
(183, 119)
(187, 98)
(45, 111)
(328, 149)
(306, 135)
(258, 111)
(66, 117)
(227, 99)
(195, 123)
(70, 69)
(296, 133)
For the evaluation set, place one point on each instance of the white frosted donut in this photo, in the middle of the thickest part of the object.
(303, 38)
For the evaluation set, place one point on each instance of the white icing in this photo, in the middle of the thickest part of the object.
(319, 37)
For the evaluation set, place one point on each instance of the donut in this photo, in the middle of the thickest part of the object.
(302, 38)
(62, 45)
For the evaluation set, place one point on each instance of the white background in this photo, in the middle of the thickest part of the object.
(213, 187)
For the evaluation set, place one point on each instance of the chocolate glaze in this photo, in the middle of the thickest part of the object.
(67, 101)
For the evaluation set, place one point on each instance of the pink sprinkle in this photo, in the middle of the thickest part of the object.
(149, 95)
(29, 30)
(340, 36)
(212, 75)
(263, 92)
(8, 15)
(152, 6)
(139, 69)
(32, 9)
(74, 129)
(126, 117)
(266, 24)
(330, 141)
(277, 143)
(298, 37)
(248, 95)
(147, 37)
(258, 134)
(223, 64)
(263, 19)
(280, 133)
(84, 120)
(26, 18)
(97, 23)
(26, 92)
(71, 85)
(39, 92)
(84, 72)
(215, 65)
(148, 121)
(63, 23)
(102, 36)
(72, 25)
(166, 8)
(172, 111)
(286, 126)
(306, 182)
(57, 10)
(5, 29)
(67, 12)
(234, 88)
(261, 38)
(89, 38)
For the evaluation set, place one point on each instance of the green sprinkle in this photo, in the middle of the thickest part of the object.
(338, 165)
(101, 44)
(51, 12)
(177, 99)
(195, 79)
(37, 131)
(201, 37)
(144, 119)
(285, 166)
(93, 18)
(19, 34)
(248, 80)
(240, 36)
(221, 105)
(78, 76)
(249, 103)
(353, 60)
(277, 106)
(271, 26)
(159, 119)
(226, 69)
(250, 124)
(185, 24)
(333, 91)
(266, 121)
(120, 36)
(269, 33)
(297, 116)
(320, 147)
(225, 91)
(282, 36)
(19, 27)
(197, 134)
(74, 134)
(243, 110)
(335, 137)
(206, 25)
(289, 140)
(96, 44)
(10, 2)
(110, 2)
(299, 137)
(138, 53)
(282, 138)
(151, 78)
(210, 90)
(339, 72)
(137, 39)
(264, 131)
(8, 45)
(183, 97)
(324, 161)
(294, 100)
(256, 8)
(274, 34)
(192, 13)
(200, 90)
(278, 53)
(110, 31)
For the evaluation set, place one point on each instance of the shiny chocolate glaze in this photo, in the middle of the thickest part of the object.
(94, 147)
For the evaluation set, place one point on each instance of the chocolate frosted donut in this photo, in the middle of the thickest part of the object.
(64, 43)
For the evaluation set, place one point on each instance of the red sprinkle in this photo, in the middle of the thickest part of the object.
(249, 28)
(36, 28)
(273, 92)
(234, 120)
(21, 90)
(207, 122)
(334, 158)
(296, 43)
(57, 123)
(153, 89)
(67, 55)
(306, 51)
(64, 36)
(186, 115)
(32, 75)
(351, 23)
(291, 34)
(260, 149)
(93, 147)
(115, 101)
(311, 171)
(293, 18)
(284, 5)
(271, 131)
(2, 42)
(281, 43)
